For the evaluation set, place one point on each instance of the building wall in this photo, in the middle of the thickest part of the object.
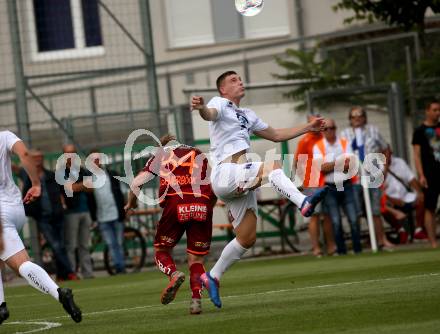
(132, 94)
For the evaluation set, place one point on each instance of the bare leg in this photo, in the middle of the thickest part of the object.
(327, 228)
(420, 215)
(314, 234)
(430, 227)
(380, 233)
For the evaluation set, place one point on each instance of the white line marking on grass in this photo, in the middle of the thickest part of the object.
(324, 286)
(111, 286)
(47, 325)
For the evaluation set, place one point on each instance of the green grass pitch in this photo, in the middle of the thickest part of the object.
(395, 292)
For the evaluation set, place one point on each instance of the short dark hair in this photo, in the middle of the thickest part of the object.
(222, 78)
(430, 103)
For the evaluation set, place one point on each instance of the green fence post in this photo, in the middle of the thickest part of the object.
(284, 152)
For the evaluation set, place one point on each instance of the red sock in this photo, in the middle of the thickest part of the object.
(196, 270)
(165, 263)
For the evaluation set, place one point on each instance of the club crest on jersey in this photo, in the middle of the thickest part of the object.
(243, 120)
(230, 217)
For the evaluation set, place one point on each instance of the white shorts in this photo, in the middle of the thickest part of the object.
(12, 220)
(231, 183)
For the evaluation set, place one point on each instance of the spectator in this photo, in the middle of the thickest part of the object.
(107, 208)
(365, 139)
(403, 193)
(78, 221)
(426, 145)
(48, 214)
(304, 168)
(335, 151)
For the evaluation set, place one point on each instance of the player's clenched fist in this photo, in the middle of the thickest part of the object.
(197, 103)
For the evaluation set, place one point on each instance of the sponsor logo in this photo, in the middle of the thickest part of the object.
(202, 244)
(281, 191)
(181, 180)
(192, 211)
(162, 268)
(37, 283)
(166, 239)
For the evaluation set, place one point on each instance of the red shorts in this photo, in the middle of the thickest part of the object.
(190, 214)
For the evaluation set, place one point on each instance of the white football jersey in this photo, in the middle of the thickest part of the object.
(230, 132)
(9, 192)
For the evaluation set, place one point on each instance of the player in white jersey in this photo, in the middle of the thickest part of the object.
(12, 219)
(234, 178)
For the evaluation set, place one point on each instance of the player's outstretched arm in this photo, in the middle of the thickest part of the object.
(135, 188)
(22, 152)
(131, 201)
(208, 114)
(279, 135)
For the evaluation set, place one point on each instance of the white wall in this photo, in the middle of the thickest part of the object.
(319, 17)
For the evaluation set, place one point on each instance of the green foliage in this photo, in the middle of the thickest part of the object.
(408, 14)
(429, 67)
(427, 85)
(314, 74)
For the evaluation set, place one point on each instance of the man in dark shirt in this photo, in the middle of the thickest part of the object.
(426, 145)
(78, 220)
(48, 213)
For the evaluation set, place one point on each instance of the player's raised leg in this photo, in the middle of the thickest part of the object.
(40, 280)
(273, 173)
(165, 263)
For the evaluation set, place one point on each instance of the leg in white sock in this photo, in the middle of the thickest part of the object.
(285, 187)
(38, 278)
(2, 294)
(230, 254)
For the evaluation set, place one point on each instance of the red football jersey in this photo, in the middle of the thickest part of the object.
(183, 171)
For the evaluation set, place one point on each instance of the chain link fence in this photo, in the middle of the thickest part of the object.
(84, 71)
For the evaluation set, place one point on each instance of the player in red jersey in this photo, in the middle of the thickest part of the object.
(187, 200)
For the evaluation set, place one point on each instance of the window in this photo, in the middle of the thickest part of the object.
(187, 28)
(64, 29)
(271, 22)
(204, 22)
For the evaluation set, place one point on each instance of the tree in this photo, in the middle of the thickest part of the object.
(407, 14)
(314, 74)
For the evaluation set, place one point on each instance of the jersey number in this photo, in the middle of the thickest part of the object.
(170, 164)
